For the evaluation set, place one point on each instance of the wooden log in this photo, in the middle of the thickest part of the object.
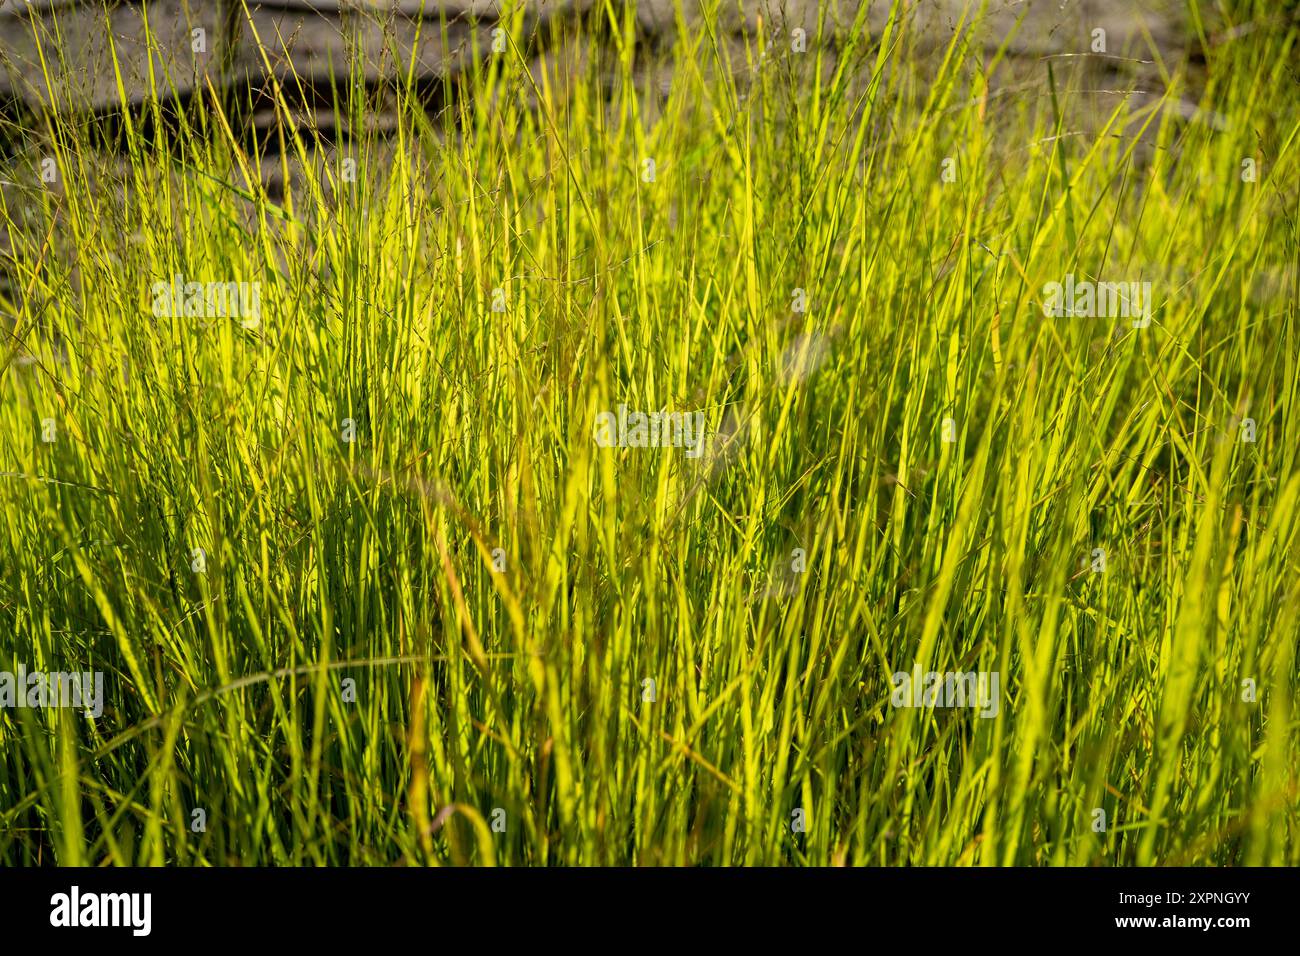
(63, 55)
(60, 53)
(68, 54)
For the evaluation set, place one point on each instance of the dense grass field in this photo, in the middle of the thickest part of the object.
(367, 583)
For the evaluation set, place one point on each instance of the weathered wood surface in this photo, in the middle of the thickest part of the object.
(80, 42)
(62, 52)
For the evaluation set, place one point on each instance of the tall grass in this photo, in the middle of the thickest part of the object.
(349, 679)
